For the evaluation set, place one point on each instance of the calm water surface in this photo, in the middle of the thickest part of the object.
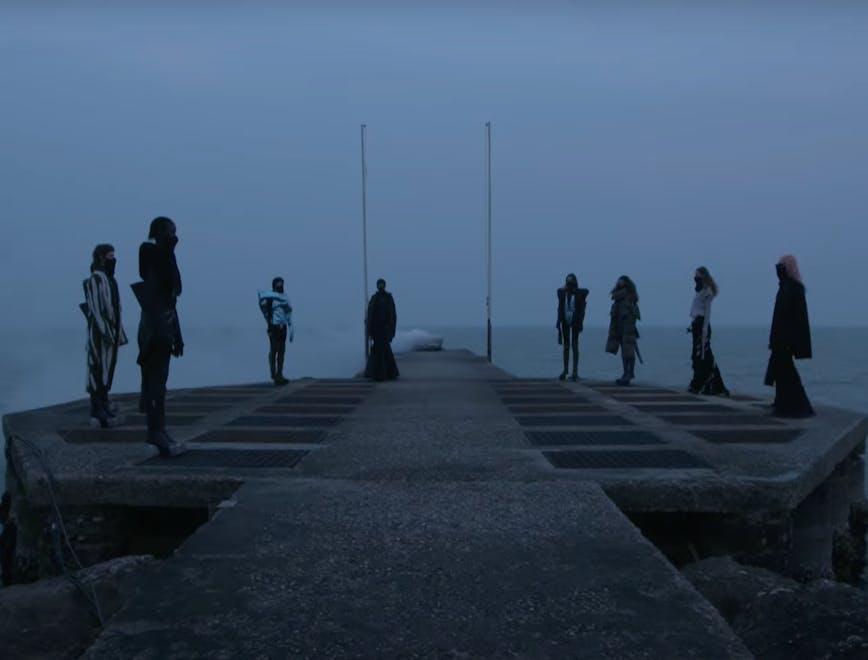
(44, 367)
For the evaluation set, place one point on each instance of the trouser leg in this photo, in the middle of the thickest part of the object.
(156, 374)
(96, 406)
(281, 352)
(699, 377)
(272, 355)
(565, 338)
(575, 347)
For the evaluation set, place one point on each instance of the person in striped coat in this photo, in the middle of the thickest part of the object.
(105, 334)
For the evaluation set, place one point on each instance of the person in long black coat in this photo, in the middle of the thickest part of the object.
(159, 329)
(790, 338)
(571, 319)
(382, 322)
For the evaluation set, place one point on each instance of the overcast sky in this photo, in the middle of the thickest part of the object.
(644, 140)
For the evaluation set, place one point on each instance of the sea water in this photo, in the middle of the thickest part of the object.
(47, 366)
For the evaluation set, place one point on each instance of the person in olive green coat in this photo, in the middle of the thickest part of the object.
(623, 334)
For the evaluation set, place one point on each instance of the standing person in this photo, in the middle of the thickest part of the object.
(790, 337)
(105, 334)
(571, 318)
(278, 315)
(382, 322)
(159, 328)
(623, 334)
(706, 374)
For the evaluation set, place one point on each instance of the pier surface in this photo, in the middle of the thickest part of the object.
(457, 512)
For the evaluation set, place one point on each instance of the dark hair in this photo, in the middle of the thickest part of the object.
(159, 226)
(275, 281)
(573, 277)
(99, 253)
(630, 286)
(381, 280)
(707, 279)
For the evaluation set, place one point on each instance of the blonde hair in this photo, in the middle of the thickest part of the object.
(707, 279)
(792, 267)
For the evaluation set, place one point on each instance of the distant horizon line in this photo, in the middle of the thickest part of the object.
(433, 326)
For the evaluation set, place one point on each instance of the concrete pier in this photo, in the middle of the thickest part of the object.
(458, 512)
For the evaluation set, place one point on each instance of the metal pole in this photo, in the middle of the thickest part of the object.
(365, 239)
(488, 241)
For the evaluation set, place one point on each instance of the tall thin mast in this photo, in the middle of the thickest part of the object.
(488, 242)
(365, 239)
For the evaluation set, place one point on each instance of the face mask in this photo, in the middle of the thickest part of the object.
(698, 281)
(781, 271)
(168, 241)
(109, 266)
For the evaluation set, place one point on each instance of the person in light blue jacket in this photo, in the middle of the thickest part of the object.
(278, 316)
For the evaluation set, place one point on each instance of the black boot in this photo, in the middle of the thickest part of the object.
(564, 373)
(166, 444)
(99, 415)
(279, 378)
(625, 377)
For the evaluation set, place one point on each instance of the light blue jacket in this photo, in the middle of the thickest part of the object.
(275, 308)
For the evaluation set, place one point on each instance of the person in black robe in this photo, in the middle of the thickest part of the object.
(571, 319)
(382, 321)
(159, 329)
(790, 338)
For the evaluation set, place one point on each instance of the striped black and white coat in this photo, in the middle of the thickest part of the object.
(105, 334)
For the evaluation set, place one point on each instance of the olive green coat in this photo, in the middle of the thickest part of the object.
(623, 334)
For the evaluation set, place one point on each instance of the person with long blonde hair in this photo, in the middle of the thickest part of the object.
(706, 374)
(789, 339)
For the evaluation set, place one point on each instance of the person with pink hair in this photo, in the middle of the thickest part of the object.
(790, 338)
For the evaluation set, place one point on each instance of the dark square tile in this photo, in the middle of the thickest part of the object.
(284, 421)
(754, 436)
(573, 420)
(230, 458)
(720, 420)
(685, 408)
(668, 459)
(262, 436)
(629, 437)
(291, 409)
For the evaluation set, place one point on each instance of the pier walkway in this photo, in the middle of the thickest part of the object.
(458, 512)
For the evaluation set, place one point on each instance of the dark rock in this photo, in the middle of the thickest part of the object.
(52, 619)
(8, 537)
(730, 586)
(859, 511)
(777, 617)
(823, 619)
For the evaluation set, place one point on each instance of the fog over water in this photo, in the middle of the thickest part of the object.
(627, 139)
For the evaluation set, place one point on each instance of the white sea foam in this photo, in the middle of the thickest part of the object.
(407, 341)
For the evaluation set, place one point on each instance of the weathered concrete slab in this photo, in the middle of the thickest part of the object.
(433, 518)
(451, 417)
(342, 569)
